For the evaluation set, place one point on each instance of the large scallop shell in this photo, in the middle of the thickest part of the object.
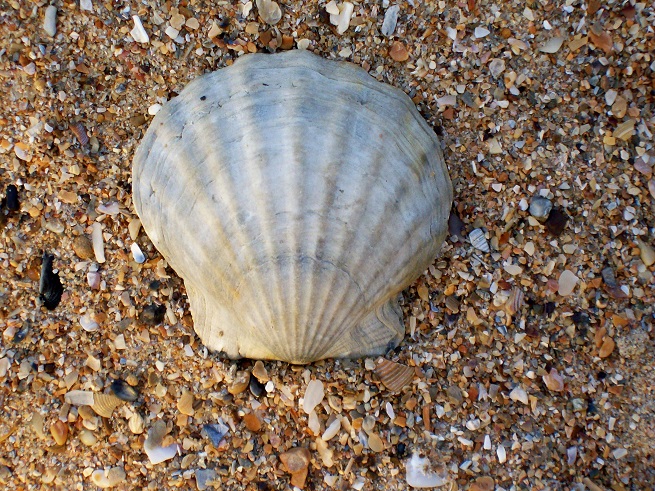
(296, 197)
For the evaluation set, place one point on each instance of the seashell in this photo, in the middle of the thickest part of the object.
(294, 219)
(104, 404)
(136, 424)
(515, 301)
(478, 240)
(216, 432)
(80, 133)
(98, 242)
(394, 376)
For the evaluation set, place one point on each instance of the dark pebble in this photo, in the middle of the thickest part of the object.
(50, 287)
(153, 314)
(556, 222)
(256, 387)
(549, 307)
(401, 450)
(455, 224)
(580, 319)
(11, 202)
(21, 333)
(124, 391)
(608, 277)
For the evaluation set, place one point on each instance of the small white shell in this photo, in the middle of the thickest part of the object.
(478, 240)
(136, 424)
(296, 197)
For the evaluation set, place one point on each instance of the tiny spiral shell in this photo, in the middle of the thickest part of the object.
(80, 133)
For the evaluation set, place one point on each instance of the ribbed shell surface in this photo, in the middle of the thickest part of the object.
(296, 197)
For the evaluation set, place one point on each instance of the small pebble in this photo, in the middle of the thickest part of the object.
(98, 242)
(540, 207)
(50, 20)
(552, 45)
(554, 381)
(484, 483)
(136, 424)
(88, 438)
(259, 371)
(252, 422)
(481, 32)
(296, 462)
(185, 403)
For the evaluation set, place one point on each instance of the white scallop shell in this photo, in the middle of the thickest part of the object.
(296, 197)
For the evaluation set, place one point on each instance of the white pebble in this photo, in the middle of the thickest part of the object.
(487, 442)
(138, 32)
(313, 422)
(390, 20)
(313, 395)
(50, 21)
(98, 242)
(496, 67)
(109, 209)
(171, 32)
(139, 256)
(552, 45)
(154, 109)
(86, 5)
(303, 43)
(332, 430)
(79, 398)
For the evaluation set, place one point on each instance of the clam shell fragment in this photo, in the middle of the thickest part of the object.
(478, 240)
(394, 376)
(296, 197)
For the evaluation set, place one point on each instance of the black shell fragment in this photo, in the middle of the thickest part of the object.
(11, 200)
(124, 391)
(50, 287)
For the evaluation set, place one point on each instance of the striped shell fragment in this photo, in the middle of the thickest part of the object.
(296, 197)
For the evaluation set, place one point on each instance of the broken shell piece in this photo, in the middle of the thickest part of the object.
(554, 381)
(259, 371)
(79, 398)
(478, 240)
(418, 477)
(98, 242)
(394, 376)
(185, 403)
(342, 19)
(646, 252)
(138, 32)
(108, 478)
(153, 444)
(514, 302)
(104, 404)
(296, 462)
(137, 254)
